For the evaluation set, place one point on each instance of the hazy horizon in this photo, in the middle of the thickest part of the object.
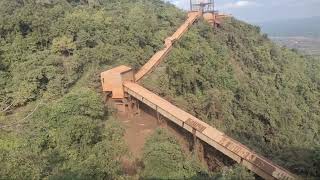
(256, 11)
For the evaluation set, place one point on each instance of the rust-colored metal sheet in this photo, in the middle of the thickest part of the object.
(210, 17)
(121, 79)
(195, 125)
(215, 18)
(112, 80)
(160, 55)
(230, 147)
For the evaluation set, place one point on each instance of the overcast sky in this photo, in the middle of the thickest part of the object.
(264, 10)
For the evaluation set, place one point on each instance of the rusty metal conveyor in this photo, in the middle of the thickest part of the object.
(158, 57)
(209, 134)
(120, 81)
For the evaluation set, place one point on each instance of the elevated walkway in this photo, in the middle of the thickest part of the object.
(121, 82)
(215, 138)
(159, 56)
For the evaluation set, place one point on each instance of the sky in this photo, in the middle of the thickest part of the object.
(256, 11)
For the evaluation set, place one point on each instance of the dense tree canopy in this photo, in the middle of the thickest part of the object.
(68, 138)
(164, 159)
(236, 79)
(53, 124)
(45, 45)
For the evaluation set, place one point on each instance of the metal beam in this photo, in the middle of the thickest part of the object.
(212, 136)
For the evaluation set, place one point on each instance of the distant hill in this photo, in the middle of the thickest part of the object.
(306, 45)
(308, 27)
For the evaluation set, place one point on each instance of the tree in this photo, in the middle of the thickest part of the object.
(235, 173)
(51, 52)
(67, 139)
(264, 96)
(164, 159)
(63, 46)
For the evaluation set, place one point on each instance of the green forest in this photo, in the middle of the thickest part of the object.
(237, 80)
(54, 123)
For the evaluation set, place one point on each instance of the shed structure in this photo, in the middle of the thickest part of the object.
(112, 80)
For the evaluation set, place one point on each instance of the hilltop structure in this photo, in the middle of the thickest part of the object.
(206, 6)
(122, 84)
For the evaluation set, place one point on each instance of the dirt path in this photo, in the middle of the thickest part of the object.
(138, 129)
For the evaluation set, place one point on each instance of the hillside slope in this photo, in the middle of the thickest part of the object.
(54, 124)
(236, 79)
(53, 121)
(45, 47)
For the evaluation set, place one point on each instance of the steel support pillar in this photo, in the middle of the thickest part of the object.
(198, 149)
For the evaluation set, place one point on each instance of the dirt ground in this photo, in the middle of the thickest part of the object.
(138, 129)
